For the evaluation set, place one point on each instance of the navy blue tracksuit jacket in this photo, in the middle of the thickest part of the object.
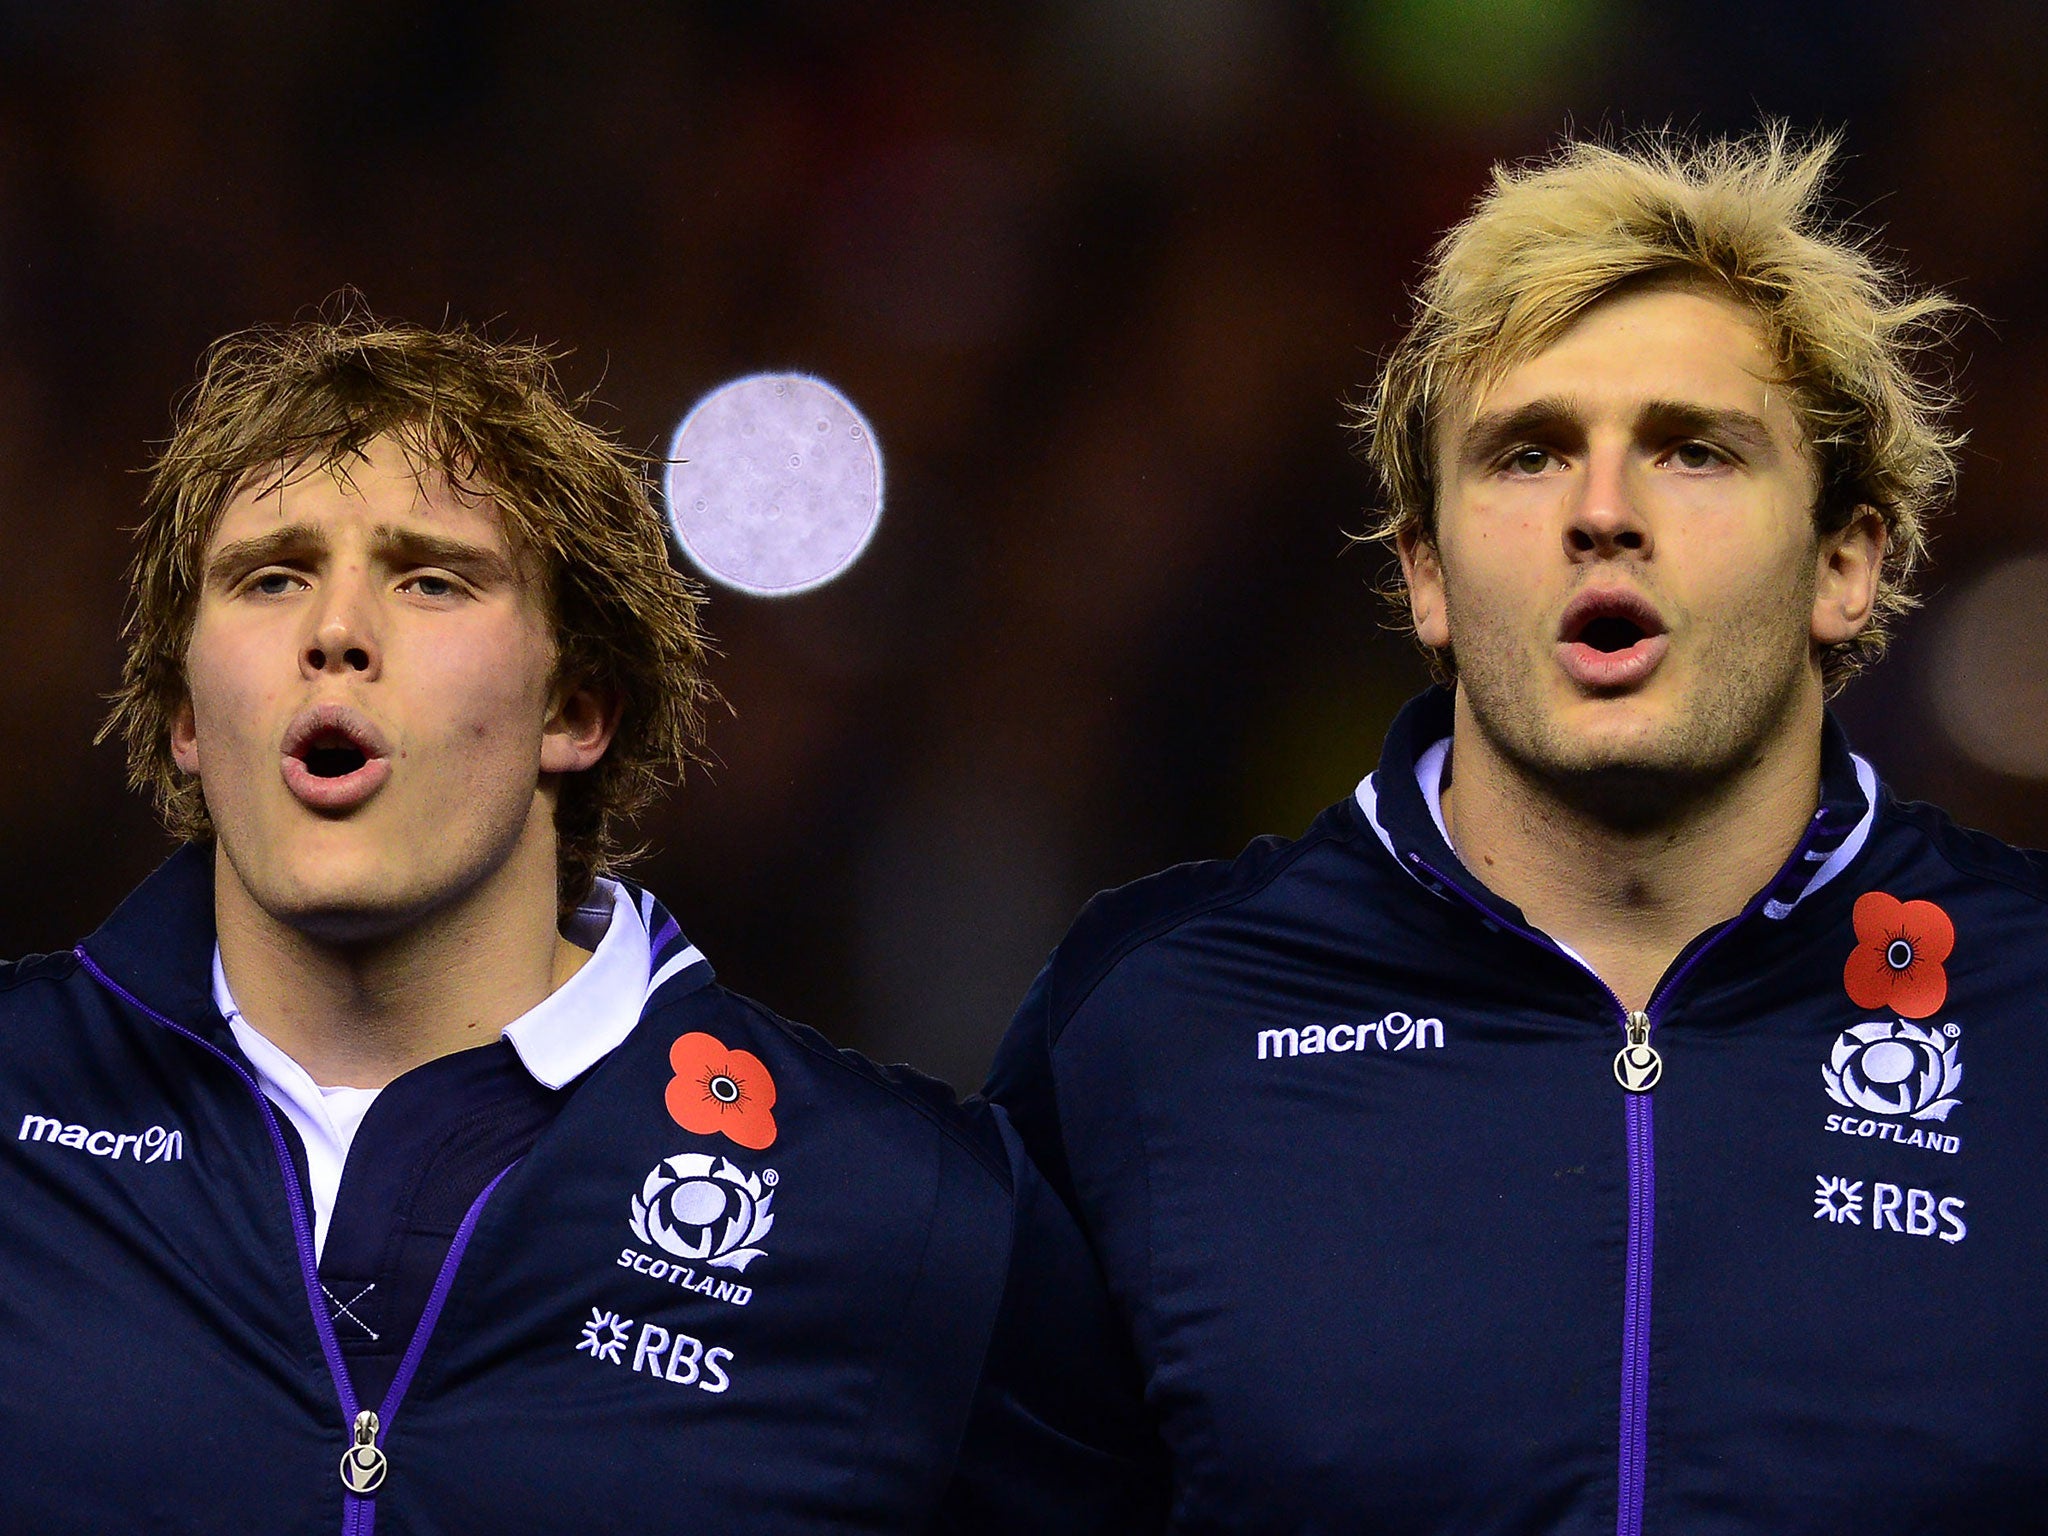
(880, 1322)
(1398, 1252)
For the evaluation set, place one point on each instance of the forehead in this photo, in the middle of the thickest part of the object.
(1667, 344)
(383, 485)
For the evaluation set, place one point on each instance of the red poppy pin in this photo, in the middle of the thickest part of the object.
(721, 1092)
(1897, 962)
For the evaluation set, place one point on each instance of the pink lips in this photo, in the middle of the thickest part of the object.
(319, 734)
(1592, 633)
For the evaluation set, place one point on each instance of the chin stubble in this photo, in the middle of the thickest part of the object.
(1706, 753)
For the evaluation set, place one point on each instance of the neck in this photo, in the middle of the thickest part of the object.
(1629, 881)
(359, 1013)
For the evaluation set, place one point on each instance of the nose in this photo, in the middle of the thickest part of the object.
(1605, 518)
(343, 641)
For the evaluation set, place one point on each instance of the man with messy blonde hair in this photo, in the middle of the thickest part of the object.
(387, 1160)
(1739, 218)
(1619, 1113)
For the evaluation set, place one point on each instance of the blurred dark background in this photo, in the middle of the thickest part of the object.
(1100, 276)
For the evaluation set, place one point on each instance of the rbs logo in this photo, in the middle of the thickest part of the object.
(1912, 1212)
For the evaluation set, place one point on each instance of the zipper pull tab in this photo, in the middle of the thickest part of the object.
(1637, 1066)
(363, 1465)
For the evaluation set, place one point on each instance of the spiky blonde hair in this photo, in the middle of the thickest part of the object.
(1745, 217)
(275, 402)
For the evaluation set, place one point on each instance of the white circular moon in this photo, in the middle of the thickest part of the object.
(774, 484)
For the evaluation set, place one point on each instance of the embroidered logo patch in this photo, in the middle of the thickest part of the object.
(605, 1336)
(155, 1145)
(675, 1357)
(1890, 1074)
(721, 1092)
(1397, 1031)
(1892, 1208)
(703, 1208)
(1895, 1068)
(1838, 1200)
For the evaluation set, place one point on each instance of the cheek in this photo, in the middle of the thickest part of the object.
(224, 693)
(1491, 574)
(481, 713)
(1756, 582)
(1497, 540)
(493, 696)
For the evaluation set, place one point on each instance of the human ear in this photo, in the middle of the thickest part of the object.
(1423, 572)
(578, 729)
(1845, 585)
(185, 738)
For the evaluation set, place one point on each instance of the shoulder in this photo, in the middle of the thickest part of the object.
(1273, 882)
(21, 976)
(891, 1106)
(40, 990)
(1976, 856)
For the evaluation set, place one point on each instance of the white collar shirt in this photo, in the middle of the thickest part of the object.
(557, 1040)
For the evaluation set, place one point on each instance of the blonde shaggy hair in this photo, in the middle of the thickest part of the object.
(1742, 217)
(274, 403)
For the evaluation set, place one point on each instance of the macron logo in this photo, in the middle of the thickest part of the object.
(155, 1145)
(1396, 1032)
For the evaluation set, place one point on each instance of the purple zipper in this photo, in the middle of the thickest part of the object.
(1635, 1316)
(358, 1514)
(1639, 1129)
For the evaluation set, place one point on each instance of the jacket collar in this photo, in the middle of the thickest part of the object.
(585, 1019)
(159, 945)
(1400, 802)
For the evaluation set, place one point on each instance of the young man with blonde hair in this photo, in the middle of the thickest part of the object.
(385, 1162)
(1620, 1113)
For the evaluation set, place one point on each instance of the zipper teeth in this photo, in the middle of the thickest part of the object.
(443, 1283)
(1634, 1450)
(358, 1514)
(1635, 1340)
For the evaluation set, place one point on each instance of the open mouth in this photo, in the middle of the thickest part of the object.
(1611, 638)
(1609, 620)
(1611, 632)
(332, 756)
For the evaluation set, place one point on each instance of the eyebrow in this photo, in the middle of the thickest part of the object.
(396, 546)
(1688, 419)
(411, 546)
(264, 549)
(1493, 433)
